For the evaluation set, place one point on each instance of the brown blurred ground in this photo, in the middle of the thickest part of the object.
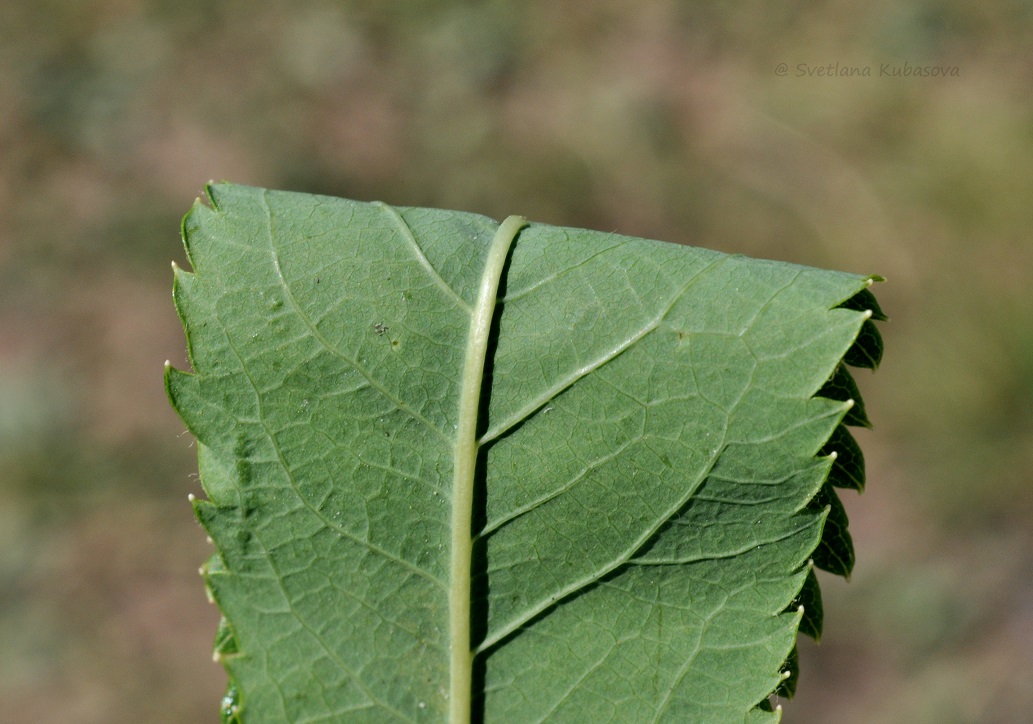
(662, 119)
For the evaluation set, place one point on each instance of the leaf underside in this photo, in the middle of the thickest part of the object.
(654, 472)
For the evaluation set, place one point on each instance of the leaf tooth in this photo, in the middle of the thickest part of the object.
(864, 300)
(789, 675)
(848, 470)
(842, 387)
(866, 351)
(179, 273)
(808, 603)
(835, 552)
(192, 225)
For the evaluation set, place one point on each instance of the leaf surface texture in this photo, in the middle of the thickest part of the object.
(652, 437)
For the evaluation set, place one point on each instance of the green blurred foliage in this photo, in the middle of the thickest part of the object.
(664, 119)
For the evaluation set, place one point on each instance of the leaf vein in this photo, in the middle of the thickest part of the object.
(318, 336)
(533, 612)
(408, 235)
(523, 413)
(566, 487)
(549, 278)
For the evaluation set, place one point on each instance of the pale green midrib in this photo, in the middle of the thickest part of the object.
(466, 446)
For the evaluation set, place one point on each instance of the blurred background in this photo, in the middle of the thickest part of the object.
(745, 127)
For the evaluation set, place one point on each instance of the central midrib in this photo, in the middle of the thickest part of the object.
(459, 604)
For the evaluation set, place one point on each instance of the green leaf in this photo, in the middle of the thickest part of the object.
(514, 472)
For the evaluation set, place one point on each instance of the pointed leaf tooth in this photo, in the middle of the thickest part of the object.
(203, 417)
(848, 469)
(192, 229)
(864, 301)
(835, 552)
(214, 565)
(841, 386)
(809, 599)
(225, 641)
(866, 351)
(791, 676)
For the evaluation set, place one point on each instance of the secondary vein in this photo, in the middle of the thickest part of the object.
(406, 231)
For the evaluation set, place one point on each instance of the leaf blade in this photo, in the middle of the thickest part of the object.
(343, 435)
